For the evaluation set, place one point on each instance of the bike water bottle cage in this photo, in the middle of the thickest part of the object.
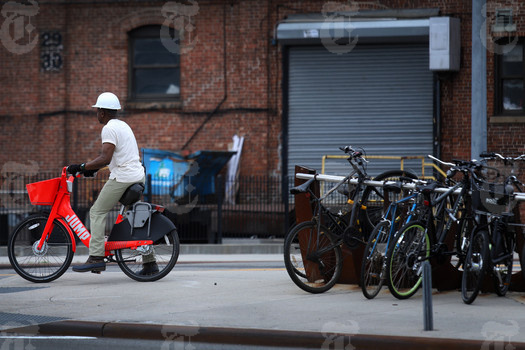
(132, 194)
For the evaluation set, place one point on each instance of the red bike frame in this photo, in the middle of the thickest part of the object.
(61, 210)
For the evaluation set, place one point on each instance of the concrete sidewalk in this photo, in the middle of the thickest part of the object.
(250, 305)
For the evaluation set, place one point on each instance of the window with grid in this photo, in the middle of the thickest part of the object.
(154, 72)
(510, 80)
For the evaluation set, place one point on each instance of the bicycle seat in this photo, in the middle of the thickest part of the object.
(428, 188)
(394, 187)
(132, 194)
(303, 187)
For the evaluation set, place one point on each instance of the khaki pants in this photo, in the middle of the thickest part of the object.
(107, 199)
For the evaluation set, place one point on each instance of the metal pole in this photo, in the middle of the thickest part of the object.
(218, 237)
(479, 81)
(428, 317)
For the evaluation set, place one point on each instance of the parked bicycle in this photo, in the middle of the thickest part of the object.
(398, 213)
(41, 247)
(426, 237)
(493, 239)
(312, 249)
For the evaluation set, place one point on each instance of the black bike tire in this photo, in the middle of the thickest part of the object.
(502, 289)
(46, 265)
(132, 269)
(403, 238)
(482, 249)
(464, 230)
(374, 271)
(522, 260)
(371, 217)
(298, 277)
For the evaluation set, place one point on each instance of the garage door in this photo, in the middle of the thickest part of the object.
(377, 97)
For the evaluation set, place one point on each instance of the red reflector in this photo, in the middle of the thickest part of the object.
(426, 203)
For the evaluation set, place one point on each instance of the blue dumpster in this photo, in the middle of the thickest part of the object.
(178, 176)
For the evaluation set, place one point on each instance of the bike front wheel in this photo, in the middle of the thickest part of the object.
(311, 257)
(47, 263)
(502, 266)
(475, 266)
(372, 266)
(404, 260)
(165, 250)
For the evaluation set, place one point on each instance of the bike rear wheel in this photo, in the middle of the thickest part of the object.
(372, 266)
(404, 260)
(166, 252)
(311, 257)
(475, 266)
(46, 264)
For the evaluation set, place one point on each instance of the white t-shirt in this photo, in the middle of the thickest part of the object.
(125, 165)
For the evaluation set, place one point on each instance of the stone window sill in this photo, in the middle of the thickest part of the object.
(143, 105)
(507, 119)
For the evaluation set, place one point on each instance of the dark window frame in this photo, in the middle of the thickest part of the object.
(499, 77)
(149, 32)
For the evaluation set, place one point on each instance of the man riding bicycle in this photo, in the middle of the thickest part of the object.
(121, 154)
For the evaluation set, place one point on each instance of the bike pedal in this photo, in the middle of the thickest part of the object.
(97, 272)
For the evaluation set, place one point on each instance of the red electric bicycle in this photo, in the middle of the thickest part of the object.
(42, 246)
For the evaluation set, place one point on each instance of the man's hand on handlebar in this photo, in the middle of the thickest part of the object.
(75, 169)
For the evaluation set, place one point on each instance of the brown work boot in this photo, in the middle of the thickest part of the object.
(93, 263)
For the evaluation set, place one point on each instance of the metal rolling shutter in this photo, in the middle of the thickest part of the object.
(378, 97)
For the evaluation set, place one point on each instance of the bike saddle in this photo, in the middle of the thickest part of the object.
(394, 187)
(132, 194)
(303, 187)
(428, 188)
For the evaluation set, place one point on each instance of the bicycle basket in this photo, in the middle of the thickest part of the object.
(43, 192)
(491, 197)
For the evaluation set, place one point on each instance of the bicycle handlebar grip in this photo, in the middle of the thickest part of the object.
(487, 155)
(346, 149)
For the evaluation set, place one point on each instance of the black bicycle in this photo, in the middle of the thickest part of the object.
(493, 241)
(312, 249)
(425, 238)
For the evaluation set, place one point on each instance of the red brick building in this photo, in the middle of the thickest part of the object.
(228, 74)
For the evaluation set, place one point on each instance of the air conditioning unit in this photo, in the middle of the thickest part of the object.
(444, 44)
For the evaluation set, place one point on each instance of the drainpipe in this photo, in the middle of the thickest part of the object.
(479, 81)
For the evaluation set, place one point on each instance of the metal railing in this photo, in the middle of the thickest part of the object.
(401, 159)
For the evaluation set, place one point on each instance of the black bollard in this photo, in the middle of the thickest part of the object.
(427, 296)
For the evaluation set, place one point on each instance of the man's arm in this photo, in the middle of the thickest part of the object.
(103, 159)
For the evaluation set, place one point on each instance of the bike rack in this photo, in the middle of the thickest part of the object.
(444, 276)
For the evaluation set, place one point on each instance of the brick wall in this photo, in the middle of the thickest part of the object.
(46, 116)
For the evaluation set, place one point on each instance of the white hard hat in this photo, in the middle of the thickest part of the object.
(107, 100)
